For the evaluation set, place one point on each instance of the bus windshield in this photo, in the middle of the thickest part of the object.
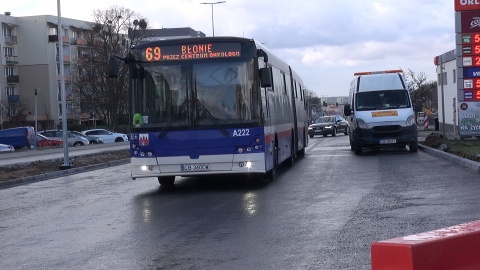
(195, 94)
(382, 100)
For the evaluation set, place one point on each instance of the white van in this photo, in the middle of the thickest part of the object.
(380, 112)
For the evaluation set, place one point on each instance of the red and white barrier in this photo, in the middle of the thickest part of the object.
(456, 247)
(425, 122)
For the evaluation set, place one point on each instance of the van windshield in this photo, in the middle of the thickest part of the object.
(382, 100)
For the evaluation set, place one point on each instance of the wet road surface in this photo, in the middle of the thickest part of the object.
(323, 213)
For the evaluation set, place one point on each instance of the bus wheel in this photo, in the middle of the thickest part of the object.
(272, 174)
(166, 180)
(291, 159)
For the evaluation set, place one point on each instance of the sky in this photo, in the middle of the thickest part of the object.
(325, 41)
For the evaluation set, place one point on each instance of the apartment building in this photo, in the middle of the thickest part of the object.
(31, 64)
(30, 61)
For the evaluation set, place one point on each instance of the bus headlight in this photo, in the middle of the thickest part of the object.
(146, 168)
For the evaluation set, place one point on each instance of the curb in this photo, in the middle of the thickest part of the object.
(469, 164)
(51, 175)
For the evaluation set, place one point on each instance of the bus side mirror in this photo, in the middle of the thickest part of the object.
(418, 105)
(113, 67)
(265, 77)
(347, 110)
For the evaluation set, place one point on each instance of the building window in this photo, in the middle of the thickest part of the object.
(7, 32)
(7, 51)
(442, 79)
(454, 76)
(8, 71)
(9, 91)
(53, 31)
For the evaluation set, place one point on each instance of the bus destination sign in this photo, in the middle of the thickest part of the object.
(191, 51)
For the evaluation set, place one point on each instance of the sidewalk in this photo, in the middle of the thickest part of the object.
(423, 134)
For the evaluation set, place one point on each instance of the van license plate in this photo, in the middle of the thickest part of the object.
(195, 167)
(388, 141)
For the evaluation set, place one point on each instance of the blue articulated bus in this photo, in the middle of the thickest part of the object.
(214, 105)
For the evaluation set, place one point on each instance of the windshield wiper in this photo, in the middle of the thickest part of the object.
(181, 109)
(214, 120)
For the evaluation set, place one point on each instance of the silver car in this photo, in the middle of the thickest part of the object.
(73, 139)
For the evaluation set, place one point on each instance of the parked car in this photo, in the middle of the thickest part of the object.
(73, 140)
(326, 125)
(6, 148)
(91, 139)
(43, 142)
(107, 136)
(18, 137)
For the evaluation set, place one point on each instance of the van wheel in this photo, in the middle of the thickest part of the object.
(413, 147)
(357, 149)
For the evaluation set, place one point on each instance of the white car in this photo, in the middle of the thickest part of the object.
(107, 136)
(6, 148)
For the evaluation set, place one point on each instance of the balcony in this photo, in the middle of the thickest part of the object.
(13, 79)
(52, 38)
(11, 60)
(66, 59)
(10, 40)
(81, 41)
(67, 78)
(14, 98)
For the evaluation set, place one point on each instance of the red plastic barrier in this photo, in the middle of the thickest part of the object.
(456, 247)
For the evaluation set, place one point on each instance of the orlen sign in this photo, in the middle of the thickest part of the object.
(463, 5)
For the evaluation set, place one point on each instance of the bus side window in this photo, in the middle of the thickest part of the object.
(265, 77)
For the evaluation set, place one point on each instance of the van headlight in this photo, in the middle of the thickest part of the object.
(410, 121)
(361, 123)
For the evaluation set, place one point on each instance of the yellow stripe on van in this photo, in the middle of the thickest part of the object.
(384, 113)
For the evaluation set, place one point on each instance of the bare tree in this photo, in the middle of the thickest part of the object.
(421, 89)
(313, 103)
(104, 97)
(14, 112)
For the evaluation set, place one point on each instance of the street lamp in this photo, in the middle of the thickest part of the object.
(211, 4)
(35, 91)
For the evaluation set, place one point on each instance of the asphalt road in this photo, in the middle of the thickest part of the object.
(323, 213)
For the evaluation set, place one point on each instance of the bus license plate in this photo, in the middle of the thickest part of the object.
(388, 141)
(195, 167)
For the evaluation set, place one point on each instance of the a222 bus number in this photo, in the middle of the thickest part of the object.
(241, 132)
